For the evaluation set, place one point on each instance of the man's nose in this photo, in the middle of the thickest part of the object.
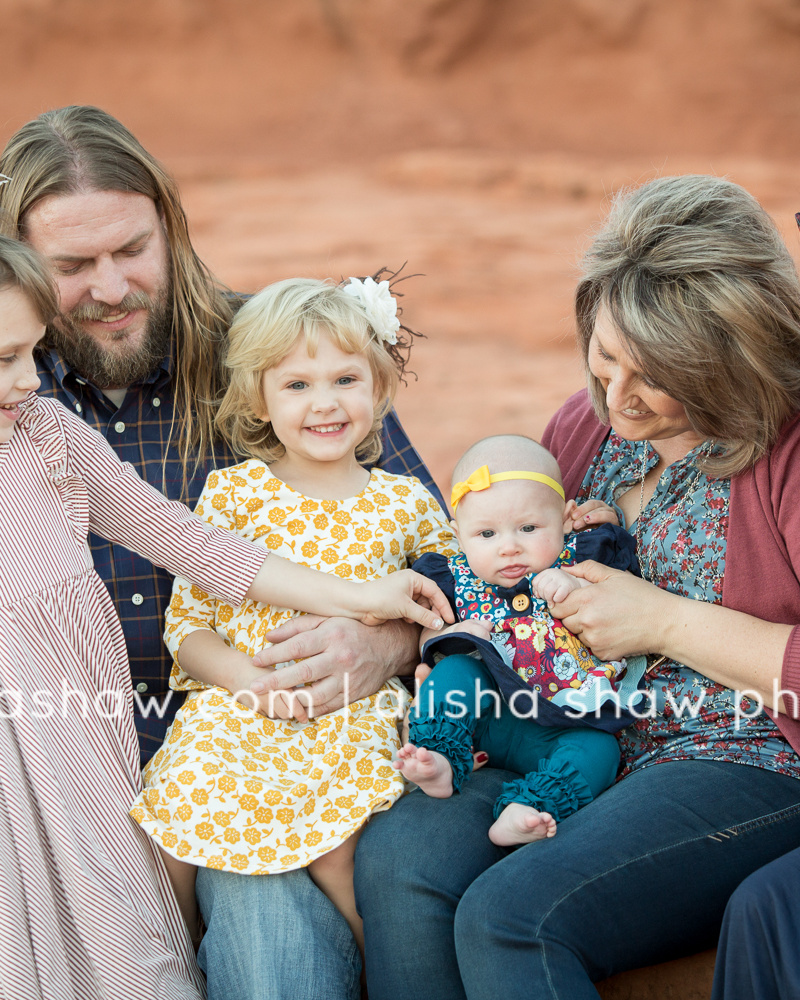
(109, 282)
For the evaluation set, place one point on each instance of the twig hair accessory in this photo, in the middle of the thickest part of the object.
(4, 179)
(380, 289)
(481, 480)
(379, 305)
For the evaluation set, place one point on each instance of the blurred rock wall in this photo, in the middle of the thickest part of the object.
(305, 80)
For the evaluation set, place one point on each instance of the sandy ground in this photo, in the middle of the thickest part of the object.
(478, 140)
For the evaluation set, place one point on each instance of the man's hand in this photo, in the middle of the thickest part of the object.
(578, 517)
(339, 658)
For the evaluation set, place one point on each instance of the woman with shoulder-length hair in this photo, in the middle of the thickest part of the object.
(688, 315)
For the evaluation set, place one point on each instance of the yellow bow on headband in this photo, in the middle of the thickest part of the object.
(481, 480)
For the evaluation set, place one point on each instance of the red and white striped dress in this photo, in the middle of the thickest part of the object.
(86, 909)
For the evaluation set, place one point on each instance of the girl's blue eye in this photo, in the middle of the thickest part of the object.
(528, 527)
(346, 380)
(296, 385)
(487, 534)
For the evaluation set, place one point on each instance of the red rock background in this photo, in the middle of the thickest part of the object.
(477, 139)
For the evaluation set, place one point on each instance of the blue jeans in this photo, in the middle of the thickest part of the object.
(759, 945)
(274, 937)
(638, 876)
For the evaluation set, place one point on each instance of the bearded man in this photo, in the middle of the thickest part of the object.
(136, 351)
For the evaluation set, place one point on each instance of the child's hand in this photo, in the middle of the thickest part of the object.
(407, 595)
(578, 517)
(553, 585)
(473, 626)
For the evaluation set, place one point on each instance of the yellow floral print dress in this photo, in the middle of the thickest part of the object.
(231, 789)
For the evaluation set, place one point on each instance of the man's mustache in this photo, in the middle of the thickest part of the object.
(100, 310)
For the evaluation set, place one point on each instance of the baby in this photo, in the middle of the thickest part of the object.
(553, 706)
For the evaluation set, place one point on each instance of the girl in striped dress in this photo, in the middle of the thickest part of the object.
(86, 909)
(314, 367)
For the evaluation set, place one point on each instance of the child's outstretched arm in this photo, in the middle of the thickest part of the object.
(404, 594)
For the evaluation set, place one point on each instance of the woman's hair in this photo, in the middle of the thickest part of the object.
(80, 148)
(706, 299)
(264, 332)
(23, 268)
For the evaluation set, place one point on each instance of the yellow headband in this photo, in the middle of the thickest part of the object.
(481, 480)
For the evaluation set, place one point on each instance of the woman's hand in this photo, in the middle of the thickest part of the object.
(578, 517)
(407, 595)
(619, 615)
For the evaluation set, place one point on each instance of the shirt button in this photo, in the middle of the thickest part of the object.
(141, 687)
(79, 408)
(137, 599)
(156, 401)
(119, 427)
(520, 602)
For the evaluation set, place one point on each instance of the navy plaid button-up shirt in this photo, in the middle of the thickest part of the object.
(139, 432)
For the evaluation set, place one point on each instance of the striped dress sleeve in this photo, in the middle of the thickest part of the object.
(126, 510)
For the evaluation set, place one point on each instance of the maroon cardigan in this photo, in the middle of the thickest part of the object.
(763, 534)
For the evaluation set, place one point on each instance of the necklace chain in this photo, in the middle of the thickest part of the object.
(656, 661)
(705, 450)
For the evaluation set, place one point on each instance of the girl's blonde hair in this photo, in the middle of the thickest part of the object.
(264, 332)
(706, 298)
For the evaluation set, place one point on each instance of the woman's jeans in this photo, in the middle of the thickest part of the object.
(640, 875)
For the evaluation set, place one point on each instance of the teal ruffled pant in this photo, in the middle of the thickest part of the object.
(459, 710)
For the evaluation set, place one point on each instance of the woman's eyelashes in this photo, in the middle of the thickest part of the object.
(646, 382)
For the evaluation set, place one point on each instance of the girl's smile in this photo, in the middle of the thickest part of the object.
(321, 408)
(20, 331)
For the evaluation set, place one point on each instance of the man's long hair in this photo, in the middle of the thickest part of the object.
(81, 148)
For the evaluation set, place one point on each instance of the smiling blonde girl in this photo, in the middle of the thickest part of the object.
(314, 368)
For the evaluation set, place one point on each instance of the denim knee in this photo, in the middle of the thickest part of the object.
(274, 937)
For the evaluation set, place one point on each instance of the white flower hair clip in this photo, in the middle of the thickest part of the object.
(379, 305)
(4, 179)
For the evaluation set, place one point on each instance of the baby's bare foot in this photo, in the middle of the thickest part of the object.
(426, 768)
(520, 824)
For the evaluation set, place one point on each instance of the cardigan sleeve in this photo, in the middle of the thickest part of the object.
(574, 435)
(762, 566)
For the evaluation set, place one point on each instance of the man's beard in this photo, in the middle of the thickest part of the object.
(108, 368)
